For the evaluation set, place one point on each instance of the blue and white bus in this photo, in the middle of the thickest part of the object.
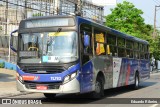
(71, 54)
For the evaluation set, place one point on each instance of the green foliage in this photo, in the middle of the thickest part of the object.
(37, 14)
(156, 46)
(126, 18)
(2, 65)
(0, 27)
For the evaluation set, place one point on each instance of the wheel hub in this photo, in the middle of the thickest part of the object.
(97, 87)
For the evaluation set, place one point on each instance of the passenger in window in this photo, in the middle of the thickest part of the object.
(88, 49)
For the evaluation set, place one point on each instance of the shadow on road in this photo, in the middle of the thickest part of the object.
(6, 77)
(85, 98)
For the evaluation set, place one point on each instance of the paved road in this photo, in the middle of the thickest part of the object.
(148, 89)
(8, 83)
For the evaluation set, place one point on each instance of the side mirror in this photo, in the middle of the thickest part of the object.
(13, 42)
(86, 40)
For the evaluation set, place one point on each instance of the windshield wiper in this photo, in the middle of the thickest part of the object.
(51, 41)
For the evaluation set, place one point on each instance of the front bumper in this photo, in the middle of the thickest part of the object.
(71, 87)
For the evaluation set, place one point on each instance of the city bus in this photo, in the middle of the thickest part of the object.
(71, 54)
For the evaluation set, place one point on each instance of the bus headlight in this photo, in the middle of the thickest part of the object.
(66, 79)
(73, 75)
(18, 77)
(21, 79)
(70, 77)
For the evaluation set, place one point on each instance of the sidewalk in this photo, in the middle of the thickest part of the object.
(155, 71)
(8, 83)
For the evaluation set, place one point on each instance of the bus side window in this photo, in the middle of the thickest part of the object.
(136, 50)
(121, 47)
(86, 51)
(100, 43)
(111, 41)
(136, 54)
(146, 52)
(129, 48)
(113, 50)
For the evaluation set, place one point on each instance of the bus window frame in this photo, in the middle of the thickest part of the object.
(95, 29)
(81, 46)
(108, 35)
(131, 49)
(121, 47)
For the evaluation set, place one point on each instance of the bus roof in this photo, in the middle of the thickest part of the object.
(46, 17)
(91, 22)
(112, 31)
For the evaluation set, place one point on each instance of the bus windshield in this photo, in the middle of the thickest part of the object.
(48, 47)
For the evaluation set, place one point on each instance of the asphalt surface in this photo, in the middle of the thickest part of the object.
(113, 97)
(148, 89)
(8, 83)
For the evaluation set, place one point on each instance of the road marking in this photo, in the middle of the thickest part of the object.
(154, 105)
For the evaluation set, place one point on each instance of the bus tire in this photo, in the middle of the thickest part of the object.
(99, 89)
(136, 82)
(49, 95)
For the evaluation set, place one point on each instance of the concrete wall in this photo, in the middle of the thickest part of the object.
(8, 65)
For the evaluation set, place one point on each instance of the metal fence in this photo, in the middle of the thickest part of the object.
(4, 49)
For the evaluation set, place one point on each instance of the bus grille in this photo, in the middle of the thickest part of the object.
(43, 69)
(49, 85)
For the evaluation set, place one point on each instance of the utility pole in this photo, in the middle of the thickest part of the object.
(56, 7)
(6, 30)
(25, 9)
(78, 8)
(6, 18)
(155, 14)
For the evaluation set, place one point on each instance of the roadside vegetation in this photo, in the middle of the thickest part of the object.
(2, 65)
(128, 19)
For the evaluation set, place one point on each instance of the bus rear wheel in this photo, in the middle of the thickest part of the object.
(49, 95)
(99, 89)
(136, 82)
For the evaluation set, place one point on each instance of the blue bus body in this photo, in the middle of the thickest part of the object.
(116, 71)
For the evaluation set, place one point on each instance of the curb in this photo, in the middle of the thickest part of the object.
(155, 73)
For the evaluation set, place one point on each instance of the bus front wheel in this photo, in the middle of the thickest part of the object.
(99, 89)
(49, 95)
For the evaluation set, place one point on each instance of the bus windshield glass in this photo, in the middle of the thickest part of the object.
(48, 47)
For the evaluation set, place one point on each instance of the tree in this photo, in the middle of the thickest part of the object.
(127, 19)
(0, 28)
(156, 46)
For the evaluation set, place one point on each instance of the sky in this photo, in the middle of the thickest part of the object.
(147, 6)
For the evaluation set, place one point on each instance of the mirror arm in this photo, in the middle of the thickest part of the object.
(11, 45)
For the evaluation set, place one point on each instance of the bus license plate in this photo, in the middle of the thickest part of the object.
(41, 87)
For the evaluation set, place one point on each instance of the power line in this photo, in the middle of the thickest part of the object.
(23, 6)
(151, 19)
(156, 2)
